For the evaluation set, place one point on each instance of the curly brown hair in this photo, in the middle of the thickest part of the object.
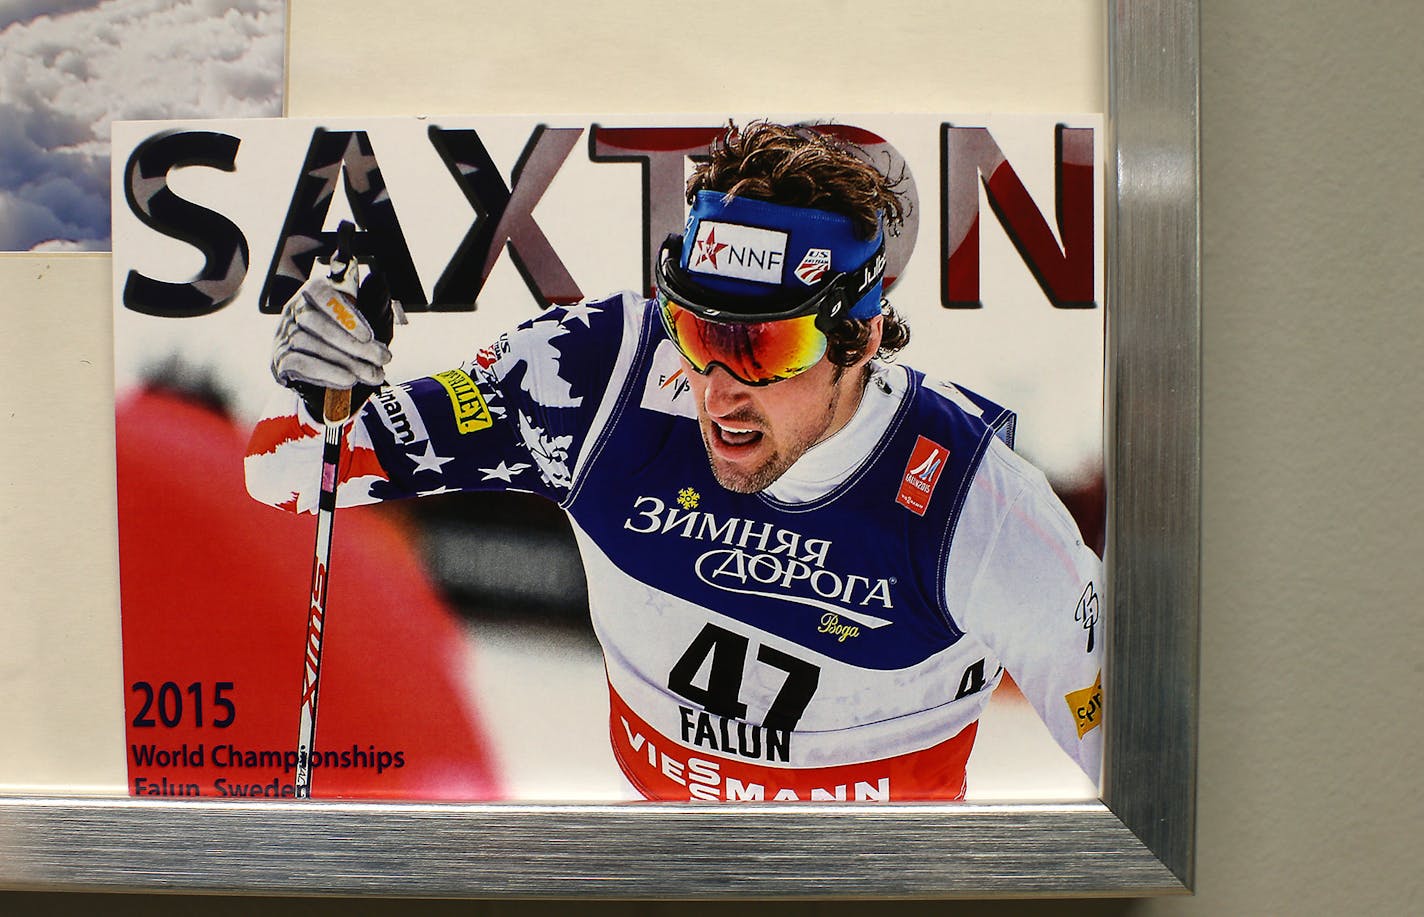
(801, 166)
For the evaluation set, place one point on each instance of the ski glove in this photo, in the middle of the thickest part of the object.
(333, 334)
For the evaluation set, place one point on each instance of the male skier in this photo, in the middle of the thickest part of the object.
(808, 568)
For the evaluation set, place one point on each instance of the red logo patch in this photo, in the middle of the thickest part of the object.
(921, 474)
(814, 266)
(709, 248)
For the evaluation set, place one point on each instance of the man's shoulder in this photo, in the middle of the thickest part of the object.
(593, 317)
(1007, 481)
(942, 395)
(574, 337)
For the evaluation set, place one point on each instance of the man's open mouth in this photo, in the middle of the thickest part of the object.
(735, 436)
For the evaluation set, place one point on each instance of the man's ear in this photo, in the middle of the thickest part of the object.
(872, 342)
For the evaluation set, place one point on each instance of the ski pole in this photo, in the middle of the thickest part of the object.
(336, 407)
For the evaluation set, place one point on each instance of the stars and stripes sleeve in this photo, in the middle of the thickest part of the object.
(514, 417)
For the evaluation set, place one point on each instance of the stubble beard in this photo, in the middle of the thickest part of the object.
(755, 480)
(752, 480)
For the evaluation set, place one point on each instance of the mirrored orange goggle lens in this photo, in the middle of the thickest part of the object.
(756, 353)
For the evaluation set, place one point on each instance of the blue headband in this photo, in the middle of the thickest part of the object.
(745, 247)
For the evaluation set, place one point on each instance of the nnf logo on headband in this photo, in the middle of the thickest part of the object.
(734, 250)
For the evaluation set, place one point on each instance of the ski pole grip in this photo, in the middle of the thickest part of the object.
(336, 406)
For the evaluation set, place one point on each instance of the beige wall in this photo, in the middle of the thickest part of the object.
(1313, 561)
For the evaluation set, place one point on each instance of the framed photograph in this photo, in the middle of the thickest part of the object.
(832, 593)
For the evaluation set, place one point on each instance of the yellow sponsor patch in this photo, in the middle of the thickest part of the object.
(343, 315)
(471, 412)
(1087, 706)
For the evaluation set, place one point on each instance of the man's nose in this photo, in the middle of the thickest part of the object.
(724, 393)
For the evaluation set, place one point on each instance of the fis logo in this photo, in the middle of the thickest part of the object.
(734, 250)
(666, 389)
(676, 383)
(814, 266)
(921, 474)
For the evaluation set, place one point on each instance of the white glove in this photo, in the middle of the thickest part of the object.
(323, 339)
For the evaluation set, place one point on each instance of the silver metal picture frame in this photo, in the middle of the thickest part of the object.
(1138, 839)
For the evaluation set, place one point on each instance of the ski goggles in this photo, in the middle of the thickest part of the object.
(784, 337)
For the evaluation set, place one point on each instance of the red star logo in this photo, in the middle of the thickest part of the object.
(708, 248)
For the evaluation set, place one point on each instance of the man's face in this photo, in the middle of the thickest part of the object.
(753, 433)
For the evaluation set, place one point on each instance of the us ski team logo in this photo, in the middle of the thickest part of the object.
(921, 474)
(814, 266)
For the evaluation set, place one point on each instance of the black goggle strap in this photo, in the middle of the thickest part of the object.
(850, 286)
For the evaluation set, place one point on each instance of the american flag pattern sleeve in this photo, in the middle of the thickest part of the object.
(515, 416)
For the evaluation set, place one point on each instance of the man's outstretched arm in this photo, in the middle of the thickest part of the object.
(1036, 599)
(514, 417)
